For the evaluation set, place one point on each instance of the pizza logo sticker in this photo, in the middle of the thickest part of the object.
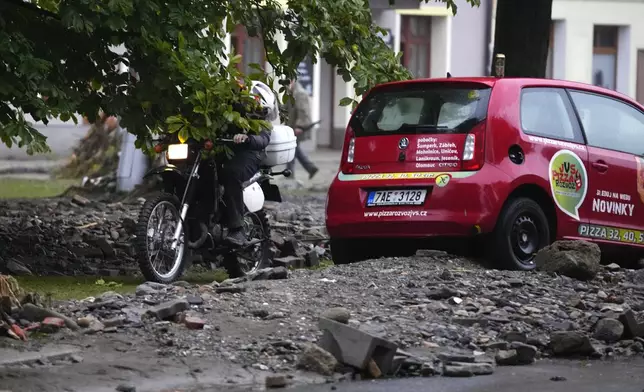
(568, 182)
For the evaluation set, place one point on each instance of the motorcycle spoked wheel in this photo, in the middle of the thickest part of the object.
(155, 229)
(246, 261)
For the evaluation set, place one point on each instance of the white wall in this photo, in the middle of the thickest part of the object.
(441, 45)
(470, 40)
(559, 50)
(580, 16)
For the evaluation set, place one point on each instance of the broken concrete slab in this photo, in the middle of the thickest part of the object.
(289, 261)
(10, 357)
(460, 369)
(356, 348)
(169, 309)
(632, 328)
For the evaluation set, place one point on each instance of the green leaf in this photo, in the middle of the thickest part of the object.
(175, 120)
(346, 101)
(184, 135)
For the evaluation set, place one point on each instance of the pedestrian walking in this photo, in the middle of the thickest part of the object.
(299, 116)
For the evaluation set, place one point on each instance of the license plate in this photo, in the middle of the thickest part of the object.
(403, 197)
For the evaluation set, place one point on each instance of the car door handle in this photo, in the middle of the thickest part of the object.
(600, 166)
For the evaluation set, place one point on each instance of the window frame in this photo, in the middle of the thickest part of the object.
(608, 97)
(578, 134)
(598, 31)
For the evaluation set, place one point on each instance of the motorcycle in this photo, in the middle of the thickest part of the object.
(184, 220)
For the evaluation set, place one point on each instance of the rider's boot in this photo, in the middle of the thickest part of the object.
(236, 237)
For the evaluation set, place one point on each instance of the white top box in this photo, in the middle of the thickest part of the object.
(281, 149)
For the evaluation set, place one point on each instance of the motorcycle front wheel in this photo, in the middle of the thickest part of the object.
(155, 230)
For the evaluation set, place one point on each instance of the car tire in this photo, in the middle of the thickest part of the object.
(521, 231)
(347, 251)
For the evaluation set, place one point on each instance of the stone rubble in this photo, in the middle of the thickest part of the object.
(446, 315)
(76, 235)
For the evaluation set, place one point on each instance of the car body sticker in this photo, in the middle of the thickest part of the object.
(568, 181)
(609, 233)
(403, 176)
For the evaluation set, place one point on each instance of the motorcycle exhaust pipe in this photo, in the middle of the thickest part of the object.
(202, 238)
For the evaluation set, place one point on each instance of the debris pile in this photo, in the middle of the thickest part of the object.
(77, 235)
(95, 158)
(429, 315)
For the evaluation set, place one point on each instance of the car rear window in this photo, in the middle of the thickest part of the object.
(423, 108)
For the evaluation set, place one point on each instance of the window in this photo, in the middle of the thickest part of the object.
(251, 49)
(547, 112)
(415, 45)
(423, 108)
(609, 123)
(605, 56)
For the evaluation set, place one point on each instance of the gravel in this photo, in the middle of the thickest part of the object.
(447, 314)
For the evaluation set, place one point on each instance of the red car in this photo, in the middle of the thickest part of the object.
(522, 162)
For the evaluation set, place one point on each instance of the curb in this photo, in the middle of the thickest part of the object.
(9, 357)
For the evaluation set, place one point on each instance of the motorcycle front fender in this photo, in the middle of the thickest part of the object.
(171, 175)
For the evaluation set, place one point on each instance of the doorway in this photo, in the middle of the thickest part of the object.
(415, 45)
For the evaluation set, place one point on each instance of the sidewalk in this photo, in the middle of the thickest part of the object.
(327, 162)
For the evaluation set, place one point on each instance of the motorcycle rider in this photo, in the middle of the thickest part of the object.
(248, 155)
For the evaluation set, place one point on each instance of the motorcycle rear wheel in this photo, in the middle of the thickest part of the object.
(155, 229)
(247, 261)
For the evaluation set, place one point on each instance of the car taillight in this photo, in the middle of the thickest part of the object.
(346, 165)
(474, 148)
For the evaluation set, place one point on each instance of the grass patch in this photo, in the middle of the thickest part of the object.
(22, 188)
(324, 264)
(76, 287)
(79, 287)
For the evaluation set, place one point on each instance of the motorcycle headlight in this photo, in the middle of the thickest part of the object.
(177, 152)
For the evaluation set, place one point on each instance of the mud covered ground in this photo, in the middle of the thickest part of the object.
(434, 306)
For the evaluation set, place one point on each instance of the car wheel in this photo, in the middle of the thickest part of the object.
(346, 251)
(522, 229)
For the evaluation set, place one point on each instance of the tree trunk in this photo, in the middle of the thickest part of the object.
(522, 34)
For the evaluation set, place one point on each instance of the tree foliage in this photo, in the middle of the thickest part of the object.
(60, 60)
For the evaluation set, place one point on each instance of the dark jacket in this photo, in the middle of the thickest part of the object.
(260, 141)
(247, 158)
(299, 112)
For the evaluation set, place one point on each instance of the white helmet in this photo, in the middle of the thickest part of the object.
(267, 100)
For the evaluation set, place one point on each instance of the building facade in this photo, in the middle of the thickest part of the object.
(433, 42)
(599, 42)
